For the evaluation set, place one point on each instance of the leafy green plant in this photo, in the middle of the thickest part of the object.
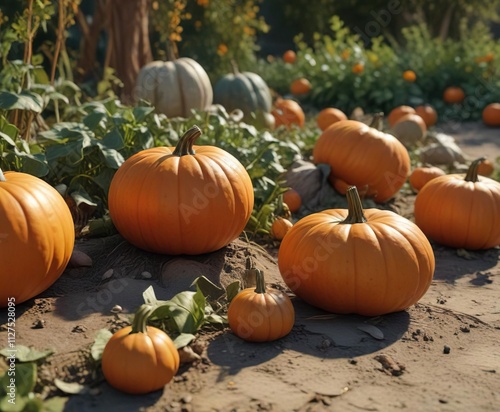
(18, 383)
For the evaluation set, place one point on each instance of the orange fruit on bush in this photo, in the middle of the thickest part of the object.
(491, 115)
(398, 112)
(328, 116)
(453, 94)
(289, 56)
(427, 113)
(300, 86)
(409, 76)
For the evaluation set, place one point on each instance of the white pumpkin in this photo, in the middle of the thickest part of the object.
(175, 87)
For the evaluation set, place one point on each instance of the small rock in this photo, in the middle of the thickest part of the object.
(465, 329)
(38, 324)
(79, 329)
(146, 275)
(107, 274)
(187, 398)
(79, 259)
(389, 365)
(446, 349)
(187, 355)
(353, 361)
(116, 309)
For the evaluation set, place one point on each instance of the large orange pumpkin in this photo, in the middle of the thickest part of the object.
(37, 236)
(460, 212)
(288, 112)
(183, 200)
(365, 157)
(261, 314)
(349, 261)
(139, 359)
(491, 115)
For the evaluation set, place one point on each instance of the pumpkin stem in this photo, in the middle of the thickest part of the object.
(471, 175)
(139, 324)
(260, 282)
(2, 176)
(354, 207)
(377, 121)
(185, 143)
(172, 51)
(234, 67)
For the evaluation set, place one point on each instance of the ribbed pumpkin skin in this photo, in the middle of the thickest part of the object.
(175, 87)
(261, 317)
(460, 214)
(140, 363)
(245, 91)
(381, 266)
(189, 204)
(364, 157)
(37, 236)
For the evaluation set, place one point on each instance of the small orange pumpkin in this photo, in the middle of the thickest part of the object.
(369, 262)
(292, 199)
(261, 314)
(37, 236)
(328, 116)
(398, 112)
(485, 168)
(453, 95)
(289, 56)
(491, 115)
(139, 359)
(421, 175)
(300, 86)
(428, 114)
(460, 212)
(288, 112)
(280, 228)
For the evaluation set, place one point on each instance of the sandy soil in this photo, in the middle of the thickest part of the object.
(442, 354)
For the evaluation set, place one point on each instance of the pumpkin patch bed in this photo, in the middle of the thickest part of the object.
(441, 353)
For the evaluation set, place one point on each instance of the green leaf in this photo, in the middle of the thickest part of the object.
(54, 404)
(23, 101)
(209, 289)
(113, 140)
(149, 296)
(187, 310)
(7, 138)
(33, 164)
(25, 354)
(7, 404)
(101, 339)
(23, 377)
(183, 339)
(58, 96)
(232, 290)
(95, 119)
(141, 112)
(103, 179)
(112, 157)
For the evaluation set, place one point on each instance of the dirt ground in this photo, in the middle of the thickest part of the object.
(442, 354)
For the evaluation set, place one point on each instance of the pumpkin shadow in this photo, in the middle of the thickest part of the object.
(110, 399)
(82, 292)
(453, 264)
(316, 333)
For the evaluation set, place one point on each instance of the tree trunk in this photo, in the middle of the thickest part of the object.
(129, 42)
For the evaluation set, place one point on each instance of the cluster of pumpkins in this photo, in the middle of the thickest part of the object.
(193, 199)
